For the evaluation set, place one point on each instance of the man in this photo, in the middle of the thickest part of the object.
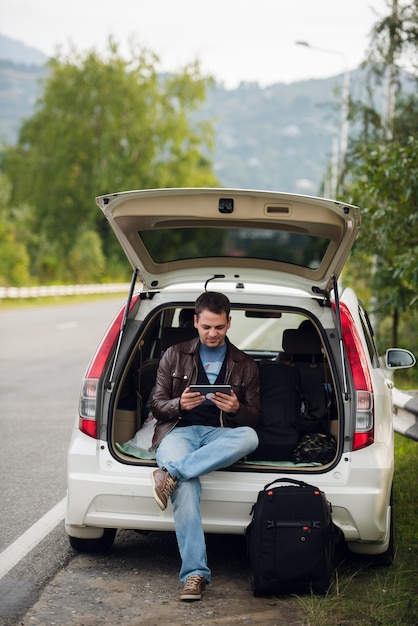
(192, 438)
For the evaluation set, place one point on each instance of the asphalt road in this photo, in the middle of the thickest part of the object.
(43, 354)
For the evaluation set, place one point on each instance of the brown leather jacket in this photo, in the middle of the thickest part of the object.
(178, 369)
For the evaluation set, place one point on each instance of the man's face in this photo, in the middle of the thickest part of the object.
(212, 328)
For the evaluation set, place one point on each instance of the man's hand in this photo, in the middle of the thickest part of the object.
(190, 399)
(226, 402)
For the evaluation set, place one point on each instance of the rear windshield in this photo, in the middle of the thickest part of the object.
(175, 244)
(251, 330)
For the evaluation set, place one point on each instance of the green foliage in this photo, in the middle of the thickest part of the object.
(86, 260)
(14, 259)
(14, 237)
(394, 35)
(104, 124)
(384, 181)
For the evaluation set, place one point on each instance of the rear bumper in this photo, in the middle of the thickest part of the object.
(107, 494)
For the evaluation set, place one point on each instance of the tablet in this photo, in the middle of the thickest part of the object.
(209, 390)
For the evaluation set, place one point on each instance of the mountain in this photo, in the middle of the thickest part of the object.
(19, 89)
(19, 53)
(275, 137)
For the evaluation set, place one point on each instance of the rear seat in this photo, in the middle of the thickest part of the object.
(170, 336)
(304, 350)
(293, 399)
(303, 345)
(278, 429)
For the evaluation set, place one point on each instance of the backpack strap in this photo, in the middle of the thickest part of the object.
(300, 483)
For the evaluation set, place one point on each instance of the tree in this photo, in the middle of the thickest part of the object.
(382, 174)
(385, 182)
(104, 124)
(86, 259)
(14, 256)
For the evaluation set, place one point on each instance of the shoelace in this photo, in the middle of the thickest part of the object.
(169, 486)
(192, 582)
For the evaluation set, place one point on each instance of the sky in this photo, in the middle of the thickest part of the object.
(234, 40)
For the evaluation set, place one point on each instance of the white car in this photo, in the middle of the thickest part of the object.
(278, 257)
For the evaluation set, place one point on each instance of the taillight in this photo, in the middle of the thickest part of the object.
(88, 396)
(364, 426)
(87, 407)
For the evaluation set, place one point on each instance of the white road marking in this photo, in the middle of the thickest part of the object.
(31, 537)
(67, 325)
(247, 343)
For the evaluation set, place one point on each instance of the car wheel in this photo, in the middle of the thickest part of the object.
(102, 544)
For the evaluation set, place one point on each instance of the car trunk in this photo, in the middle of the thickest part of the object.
(285, 339)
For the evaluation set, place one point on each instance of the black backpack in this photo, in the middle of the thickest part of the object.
(291, 540)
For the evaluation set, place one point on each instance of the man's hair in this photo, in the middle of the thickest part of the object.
(214, 301)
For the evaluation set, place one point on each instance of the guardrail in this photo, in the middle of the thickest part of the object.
(405, 415)
(62, 290)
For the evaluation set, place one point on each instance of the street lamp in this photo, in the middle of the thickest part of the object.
(339, 154)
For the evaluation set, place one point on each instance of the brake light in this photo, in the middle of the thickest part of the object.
(88, 396)
(364, 426)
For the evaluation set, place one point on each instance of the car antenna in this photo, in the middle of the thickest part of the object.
(213, 278)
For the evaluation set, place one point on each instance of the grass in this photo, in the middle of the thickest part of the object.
(365, 595)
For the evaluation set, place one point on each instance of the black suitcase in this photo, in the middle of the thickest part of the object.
(281, 399)
(291, 540)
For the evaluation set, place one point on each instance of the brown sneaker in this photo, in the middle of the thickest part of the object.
(193, 589)
(163, 486)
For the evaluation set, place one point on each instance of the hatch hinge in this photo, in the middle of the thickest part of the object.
(122, 329)
(324, 293)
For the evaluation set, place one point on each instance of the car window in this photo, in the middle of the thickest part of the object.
(175, 244)
(265, 333)
(251, 330)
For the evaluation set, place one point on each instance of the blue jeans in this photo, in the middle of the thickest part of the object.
(187, 453)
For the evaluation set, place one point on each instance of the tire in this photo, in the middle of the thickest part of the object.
(102, 544)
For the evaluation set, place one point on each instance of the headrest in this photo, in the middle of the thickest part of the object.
(186, 317)
(301, 341)
(170, 335)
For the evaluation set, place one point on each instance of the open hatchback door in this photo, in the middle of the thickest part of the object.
(326, 413)
(174, 236)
